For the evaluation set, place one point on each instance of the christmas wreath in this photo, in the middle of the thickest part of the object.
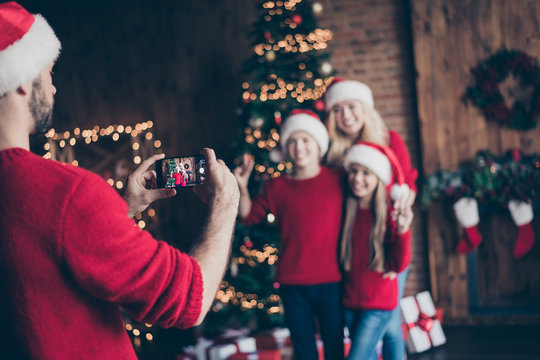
(487, 95)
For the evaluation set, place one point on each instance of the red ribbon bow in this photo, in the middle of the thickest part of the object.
(424, 322)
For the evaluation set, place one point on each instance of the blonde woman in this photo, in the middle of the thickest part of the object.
(351, 117)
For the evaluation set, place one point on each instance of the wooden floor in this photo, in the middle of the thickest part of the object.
(487, 343)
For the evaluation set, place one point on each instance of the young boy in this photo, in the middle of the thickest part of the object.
(307, 205)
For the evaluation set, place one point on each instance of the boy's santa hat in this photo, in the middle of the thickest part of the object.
(301, 120)
(341, 90)
(383, 162)
(27, 45)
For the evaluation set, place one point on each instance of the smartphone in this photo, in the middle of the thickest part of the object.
(181, 171)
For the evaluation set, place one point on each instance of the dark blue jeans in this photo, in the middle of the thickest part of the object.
(303, 304)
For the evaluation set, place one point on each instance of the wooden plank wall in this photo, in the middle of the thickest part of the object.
(450, 38)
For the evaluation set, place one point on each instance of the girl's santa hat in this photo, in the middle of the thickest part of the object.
(383, 162)
(27, 45)
(341, 90)
(301, 120)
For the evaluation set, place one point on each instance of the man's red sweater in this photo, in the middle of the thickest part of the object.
(308, 213)
(70, 256)
(366, 289)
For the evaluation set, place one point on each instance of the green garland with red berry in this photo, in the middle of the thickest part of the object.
(488, 178)
(486, 93)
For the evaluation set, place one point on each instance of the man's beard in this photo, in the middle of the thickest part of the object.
(40, 109)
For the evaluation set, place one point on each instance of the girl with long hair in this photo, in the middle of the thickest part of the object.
(375, 242)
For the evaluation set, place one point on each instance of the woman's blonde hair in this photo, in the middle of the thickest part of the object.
(379, 208)
(374, 130)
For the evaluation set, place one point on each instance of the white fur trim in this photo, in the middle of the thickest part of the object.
(521, 212)
(371, 158)
(398, 192)
(466, 211)
(307, 123)
(24, 60)
(348, 90)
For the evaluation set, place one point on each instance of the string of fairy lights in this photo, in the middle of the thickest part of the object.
(227, 293)
(280, 89)
(58, 142)
(316, 40)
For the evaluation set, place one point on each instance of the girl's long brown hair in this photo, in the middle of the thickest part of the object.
(379, 207)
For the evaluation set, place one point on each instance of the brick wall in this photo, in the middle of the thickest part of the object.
(372, 44)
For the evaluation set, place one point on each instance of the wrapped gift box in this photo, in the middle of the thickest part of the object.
(273, 339)
(258, 355)
(199, 351)
(246, 344)
(185, 356)
(222, 352)
(424, 330)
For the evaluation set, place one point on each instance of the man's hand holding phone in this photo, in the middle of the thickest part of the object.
(220, 187)
(141, 187)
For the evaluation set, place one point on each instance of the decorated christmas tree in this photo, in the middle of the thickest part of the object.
(288, 68)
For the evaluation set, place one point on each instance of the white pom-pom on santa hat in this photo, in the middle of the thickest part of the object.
(341, 90)
(383, 162)
(522, 215)
(398, 192)
(27, 46)
(301, 120)
(466, 212)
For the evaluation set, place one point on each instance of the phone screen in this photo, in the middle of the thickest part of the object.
(175, 172)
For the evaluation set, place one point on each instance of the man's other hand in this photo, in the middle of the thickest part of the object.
(220, 186)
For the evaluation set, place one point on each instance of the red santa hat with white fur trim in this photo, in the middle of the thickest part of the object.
(301, 120)
(383, 162)
(27, 45)
(341, 90)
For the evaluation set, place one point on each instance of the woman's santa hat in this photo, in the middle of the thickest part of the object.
(27, 45)
(301, 120)
(341, 90)
(382, 161)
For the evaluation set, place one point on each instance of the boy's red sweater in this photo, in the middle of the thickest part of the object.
(308, 213)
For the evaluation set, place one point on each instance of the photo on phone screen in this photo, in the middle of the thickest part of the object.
(175, 172)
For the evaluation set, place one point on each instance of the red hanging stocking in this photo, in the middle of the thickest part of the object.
(466, 211)
(522, 214)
